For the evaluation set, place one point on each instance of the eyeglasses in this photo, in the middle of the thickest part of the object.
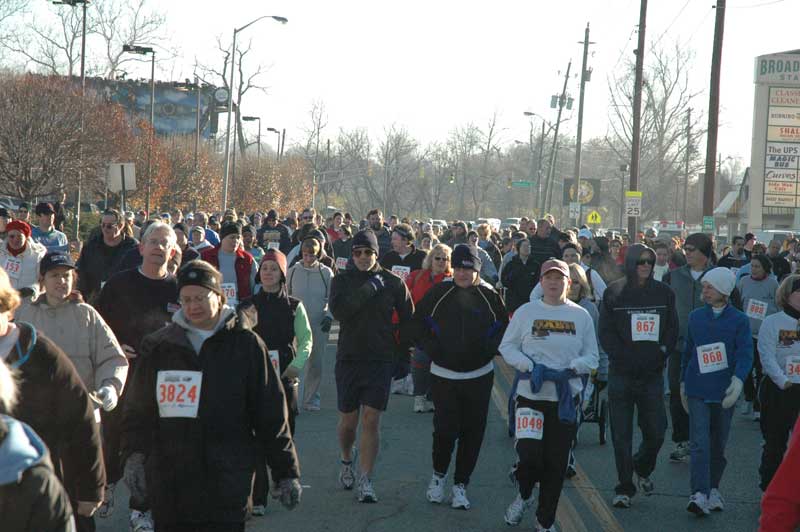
(367, 251)
(186, 301)
(445, 259)
(689, 248)
(642, 262)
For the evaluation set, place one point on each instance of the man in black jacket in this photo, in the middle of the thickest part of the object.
(638, 329)
(543, 246)
(273, 234)
(362, 300)
(404, 257)
(101, 254)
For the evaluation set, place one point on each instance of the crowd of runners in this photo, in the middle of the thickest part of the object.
(174, 353)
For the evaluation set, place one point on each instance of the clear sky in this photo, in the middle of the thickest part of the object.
(436, 64)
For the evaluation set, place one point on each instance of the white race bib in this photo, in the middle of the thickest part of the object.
(712, 357)
(756, 309)
(530, 424)
(273, 245)
(275, 359)
(229, 289)
(401, 271)
(793, 369)
(178, 393)
(13, 267)
(645, 327)
(341, 263)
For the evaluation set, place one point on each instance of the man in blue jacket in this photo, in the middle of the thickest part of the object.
(717, 359)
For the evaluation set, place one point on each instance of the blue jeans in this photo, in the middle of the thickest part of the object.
(709, 426)
(643, 396)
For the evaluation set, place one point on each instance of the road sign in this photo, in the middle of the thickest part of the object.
(633, 203)
(574, 209)
(116, 173)
(521, 184)
(708, 223)
(594, 218)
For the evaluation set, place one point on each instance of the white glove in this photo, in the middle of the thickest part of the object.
(732, 393)
(684, 399)
(524, 365)
(108, 394)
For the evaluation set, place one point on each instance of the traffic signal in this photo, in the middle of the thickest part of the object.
(452, 178)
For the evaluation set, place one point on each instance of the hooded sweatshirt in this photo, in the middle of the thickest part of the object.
(31, 496)
(638, 323)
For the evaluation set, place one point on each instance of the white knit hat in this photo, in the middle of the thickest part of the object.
(722, 279)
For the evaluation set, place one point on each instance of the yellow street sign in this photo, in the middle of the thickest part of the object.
(594, 217)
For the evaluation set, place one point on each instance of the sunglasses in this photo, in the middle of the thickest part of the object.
(642, 262)
(368, 252)
(446, 259)
(689, 248)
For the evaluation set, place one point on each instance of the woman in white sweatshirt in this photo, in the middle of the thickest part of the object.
(550, 342)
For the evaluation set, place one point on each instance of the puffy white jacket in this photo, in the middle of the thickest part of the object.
(28, 274)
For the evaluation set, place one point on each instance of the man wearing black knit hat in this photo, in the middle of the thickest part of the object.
(686, 283)
(363, 299)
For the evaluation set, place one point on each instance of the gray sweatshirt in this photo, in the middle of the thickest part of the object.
(312, 286)
(762, 291)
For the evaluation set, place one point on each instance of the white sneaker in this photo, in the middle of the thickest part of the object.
(419, 404)
(435, 492)
(141, 521)
(259, 510)
(366, 493)
(698, 504)
(540, 528)
(460, 501)
(398, 386)
(347, 477)
(516, 510)
(715, 501)
(621, 501)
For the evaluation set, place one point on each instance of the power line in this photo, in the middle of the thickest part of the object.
(758, 5)
(658, 40)
(702, 21)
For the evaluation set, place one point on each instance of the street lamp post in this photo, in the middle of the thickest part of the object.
(84, 4)
(278, 149)
(144, 50)
(258, 138)
(282, 20)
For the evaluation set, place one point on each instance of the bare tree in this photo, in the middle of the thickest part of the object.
(119, 22)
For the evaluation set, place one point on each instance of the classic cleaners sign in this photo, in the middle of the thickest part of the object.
(782, 157)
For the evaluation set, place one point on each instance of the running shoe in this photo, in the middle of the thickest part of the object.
(715, 501)
(646, 485)
(681, 452)
(107, 506)
(516, 510)
(698, 504)
(259, 510)
(435, 492)
(460, 501)
(540, 528)
(621, 501)
(141, 521)
(419, 404)
(347, 476)
(366, 493)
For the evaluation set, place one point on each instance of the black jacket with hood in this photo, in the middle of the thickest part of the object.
(200, 469)
(624, 298)
(460, 328)
(98, 262)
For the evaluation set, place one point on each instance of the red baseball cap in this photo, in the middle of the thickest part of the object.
(557, 265)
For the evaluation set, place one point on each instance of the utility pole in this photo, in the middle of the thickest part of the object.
(585, 75)
(540, 157)
(562, 100)
(637, 115)
(713, 112)
(688, 158)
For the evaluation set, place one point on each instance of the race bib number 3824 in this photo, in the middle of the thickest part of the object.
(178, 393)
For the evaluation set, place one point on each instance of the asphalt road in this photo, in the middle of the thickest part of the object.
(404, 468)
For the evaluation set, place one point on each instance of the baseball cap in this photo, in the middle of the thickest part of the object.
(54, 260)
(585, 233)
(557, 265)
